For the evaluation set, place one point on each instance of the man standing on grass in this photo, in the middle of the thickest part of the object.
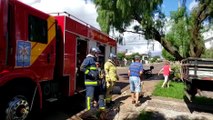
(134, 73)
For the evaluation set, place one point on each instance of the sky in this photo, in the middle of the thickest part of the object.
(172, 5)
(86, 11)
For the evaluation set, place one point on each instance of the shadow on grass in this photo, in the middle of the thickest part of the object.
(155, 115)
(150, 115)
(199, 104)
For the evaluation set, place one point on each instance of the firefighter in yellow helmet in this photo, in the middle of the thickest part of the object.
(110, 76)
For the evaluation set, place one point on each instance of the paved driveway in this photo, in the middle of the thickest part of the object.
(161, 108)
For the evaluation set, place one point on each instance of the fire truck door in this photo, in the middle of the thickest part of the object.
(42, 33)
(81, 54)
(3, 30)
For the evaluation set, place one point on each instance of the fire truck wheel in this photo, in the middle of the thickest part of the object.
(18, 101)
(18, 108)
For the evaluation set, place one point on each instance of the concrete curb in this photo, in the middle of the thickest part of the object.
(190, 105)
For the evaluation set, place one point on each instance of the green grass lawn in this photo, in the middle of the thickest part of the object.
(176, 90)
(203, 100)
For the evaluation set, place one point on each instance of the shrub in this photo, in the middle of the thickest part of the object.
(176, 74)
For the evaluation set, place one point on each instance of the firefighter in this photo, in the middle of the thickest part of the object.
(110, 76)
(91, 76)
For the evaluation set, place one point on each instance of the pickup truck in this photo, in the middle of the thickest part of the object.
(197, 73)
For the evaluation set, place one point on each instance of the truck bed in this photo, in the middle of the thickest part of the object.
(197, 68)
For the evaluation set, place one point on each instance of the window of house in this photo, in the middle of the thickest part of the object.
(37, 29)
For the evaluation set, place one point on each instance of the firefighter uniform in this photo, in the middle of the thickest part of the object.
(110, 76)
(91, 78)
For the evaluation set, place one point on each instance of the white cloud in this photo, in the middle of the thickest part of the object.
(193, 4)
(84, 11)
(30, 2)
(135, 43)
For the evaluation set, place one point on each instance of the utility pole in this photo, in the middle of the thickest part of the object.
(179, 5)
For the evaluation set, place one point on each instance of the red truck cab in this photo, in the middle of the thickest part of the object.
(40, 57)
(27, 56)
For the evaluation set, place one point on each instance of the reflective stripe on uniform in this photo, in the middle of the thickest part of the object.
(108, 99)
(88, 103)
(86, 72)
(90, 68)
(93, 68)
(101, 108)
(90, 82)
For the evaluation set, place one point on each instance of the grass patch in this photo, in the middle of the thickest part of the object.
(203, 100)
(151, 115)
(144, 115)
(176, 90)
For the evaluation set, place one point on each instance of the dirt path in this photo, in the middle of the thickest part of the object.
(159, 107)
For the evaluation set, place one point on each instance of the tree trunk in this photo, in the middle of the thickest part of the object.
(197, 44)
(167, 45)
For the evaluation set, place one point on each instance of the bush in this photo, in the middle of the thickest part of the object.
(120, 56)
(152, 60)
(176, 71)
(208, 53)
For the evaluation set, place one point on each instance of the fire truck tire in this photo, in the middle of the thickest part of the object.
(191, 90)
(18, 108)
(17, 102)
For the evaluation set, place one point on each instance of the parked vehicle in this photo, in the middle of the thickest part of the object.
(40, 55)
(147, 73)
(197, 74)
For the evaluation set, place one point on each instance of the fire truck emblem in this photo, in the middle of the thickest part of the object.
(23, 53)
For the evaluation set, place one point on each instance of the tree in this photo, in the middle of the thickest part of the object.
(178, 35)
(167, 55)
(208, 53)
(120, 13)
(131, 57)
(121, 55)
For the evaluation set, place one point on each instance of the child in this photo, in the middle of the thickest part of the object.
(166, 72)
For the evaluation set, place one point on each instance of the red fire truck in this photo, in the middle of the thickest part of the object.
(40, 55)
